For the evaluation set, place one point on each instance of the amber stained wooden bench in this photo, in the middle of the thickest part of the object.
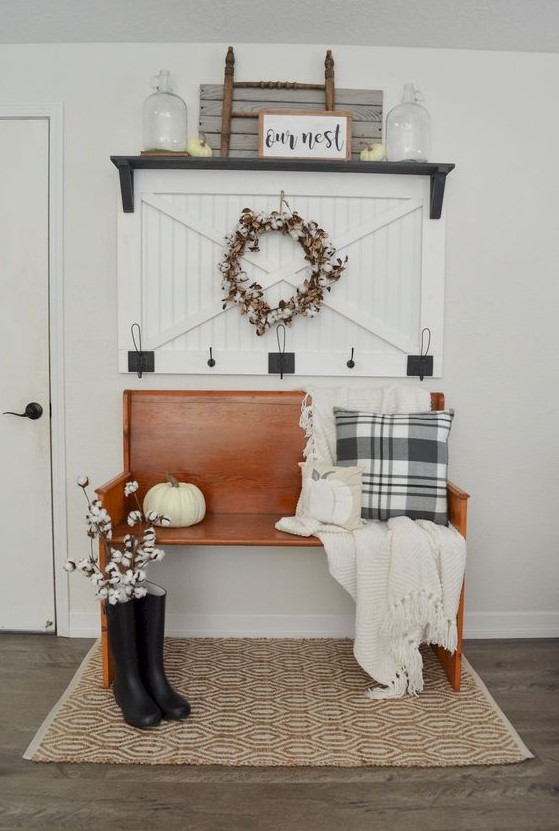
(242, 449)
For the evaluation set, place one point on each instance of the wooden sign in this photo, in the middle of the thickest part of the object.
(304, 134)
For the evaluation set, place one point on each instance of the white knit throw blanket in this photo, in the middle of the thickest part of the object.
(405, 576)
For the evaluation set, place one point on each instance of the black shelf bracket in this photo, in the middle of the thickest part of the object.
(438, 182)
(126, 175)
(126, 166)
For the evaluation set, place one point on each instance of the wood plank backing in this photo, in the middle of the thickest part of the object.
(240, 448)
(243, 457)
(364, 105)
(214, 92)
(437, 400)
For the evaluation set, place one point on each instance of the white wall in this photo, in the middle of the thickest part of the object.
(495, 116)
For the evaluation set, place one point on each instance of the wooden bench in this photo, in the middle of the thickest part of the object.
(242, 450)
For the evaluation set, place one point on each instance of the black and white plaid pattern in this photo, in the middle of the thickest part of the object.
(404, 459)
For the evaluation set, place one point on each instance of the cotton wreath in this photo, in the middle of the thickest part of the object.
(325, 268)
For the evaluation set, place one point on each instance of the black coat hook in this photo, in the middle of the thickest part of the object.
(351, 363)
(139, 361)
(211, 360)
(424, 355)
(280, 333)
(137, 346)
(422, 364)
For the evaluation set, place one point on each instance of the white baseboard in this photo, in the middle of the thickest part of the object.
(260, 626)
(83, 625)
(476, 625)
(511, 625)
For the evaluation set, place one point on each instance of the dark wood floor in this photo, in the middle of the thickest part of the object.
(522, 675)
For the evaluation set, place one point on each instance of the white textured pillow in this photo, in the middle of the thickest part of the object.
(331, 494)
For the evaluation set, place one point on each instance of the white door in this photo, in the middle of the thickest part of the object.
(26, 549)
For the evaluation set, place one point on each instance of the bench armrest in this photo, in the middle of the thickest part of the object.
(117, 504)
(457, 507)
(112, 496)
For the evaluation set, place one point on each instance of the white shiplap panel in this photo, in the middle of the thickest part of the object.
(392, 286)
(179, 283)
(151, 282)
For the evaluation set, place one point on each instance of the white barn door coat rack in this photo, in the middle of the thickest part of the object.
(172, 239)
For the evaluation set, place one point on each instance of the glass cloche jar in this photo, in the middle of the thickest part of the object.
(164, 117)
(408, 129)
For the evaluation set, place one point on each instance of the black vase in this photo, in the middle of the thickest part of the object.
(150, 632)
(137, 706)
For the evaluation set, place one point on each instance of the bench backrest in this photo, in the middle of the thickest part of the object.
(240, 448)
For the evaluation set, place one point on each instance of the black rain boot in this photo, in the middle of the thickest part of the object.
(138, 708)
(150, 631)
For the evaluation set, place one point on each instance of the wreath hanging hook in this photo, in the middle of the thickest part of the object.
(283, 201)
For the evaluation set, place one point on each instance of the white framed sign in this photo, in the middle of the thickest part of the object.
(304, 134)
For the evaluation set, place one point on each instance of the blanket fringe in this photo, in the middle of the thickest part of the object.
(305, 422)
(396, 689)
(418, 618)
(426, 611)
(449, 637)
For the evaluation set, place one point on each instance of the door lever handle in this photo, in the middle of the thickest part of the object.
(32, 411)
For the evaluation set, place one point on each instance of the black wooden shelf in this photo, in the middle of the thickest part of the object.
(126, 166)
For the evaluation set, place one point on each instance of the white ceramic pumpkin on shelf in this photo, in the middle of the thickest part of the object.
(327, 500)
(182, 502)
(373, 153)
(199, 147)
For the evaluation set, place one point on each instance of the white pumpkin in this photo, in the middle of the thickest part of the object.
(198, 147)
(327, 500)
(182, 502)
(373, 153)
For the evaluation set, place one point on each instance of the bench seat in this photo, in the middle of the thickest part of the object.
(225, 529)
(251, 529)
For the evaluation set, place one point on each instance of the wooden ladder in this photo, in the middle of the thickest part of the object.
(229, 85)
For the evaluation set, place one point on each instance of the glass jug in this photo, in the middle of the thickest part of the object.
(164, 117)
(408, 129)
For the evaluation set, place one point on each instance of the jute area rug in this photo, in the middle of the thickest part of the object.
(281, 702)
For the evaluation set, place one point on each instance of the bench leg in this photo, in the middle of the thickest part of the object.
(107, 672)
(452, 662)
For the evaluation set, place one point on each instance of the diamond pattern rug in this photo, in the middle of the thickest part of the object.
(281, 702)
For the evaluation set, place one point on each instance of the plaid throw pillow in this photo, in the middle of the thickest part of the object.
(404, 460)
